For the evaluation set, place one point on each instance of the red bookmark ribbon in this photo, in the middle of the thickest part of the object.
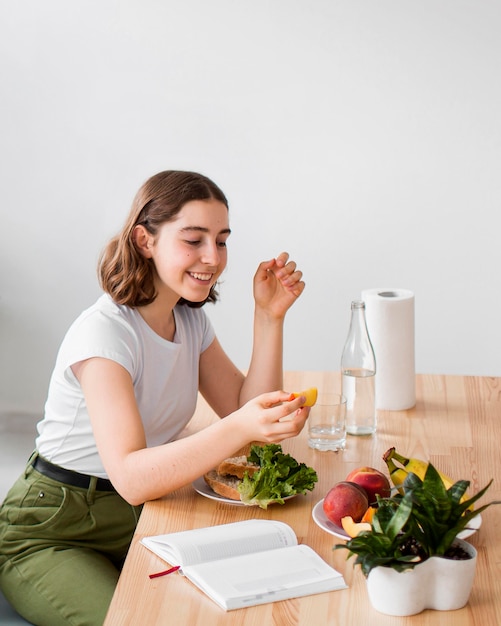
(167, 571)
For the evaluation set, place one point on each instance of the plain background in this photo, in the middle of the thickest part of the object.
(363, 136)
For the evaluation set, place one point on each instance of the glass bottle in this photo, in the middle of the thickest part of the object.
(358, 369)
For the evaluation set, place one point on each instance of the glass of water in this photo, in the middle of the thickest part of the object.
(327, 423)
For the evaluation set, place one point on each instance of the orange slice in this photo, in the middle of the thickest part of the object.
(351, 528)
(310, 394)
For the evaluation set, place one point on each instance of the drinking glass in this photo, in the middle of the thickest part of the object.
(327, 423)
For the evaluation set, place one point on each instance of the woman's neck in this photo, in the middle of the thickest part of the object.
(160, 318)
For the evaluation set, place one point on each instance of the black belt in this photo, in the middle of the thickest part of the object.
(69, 476)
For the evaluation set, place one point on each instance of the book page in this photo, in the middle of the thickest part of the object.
(220, 542)
(265, 577)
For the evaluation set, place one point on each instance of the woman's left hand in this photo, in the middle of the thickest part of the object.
(277, 285)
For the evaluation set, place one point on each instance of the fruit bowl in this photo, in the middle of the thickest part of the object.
(321, 520)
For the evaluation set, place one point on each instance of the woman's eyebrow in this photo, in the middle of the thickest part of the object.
(202, 229)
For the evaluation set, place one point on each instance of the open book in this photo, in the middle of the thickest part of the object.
(246, 563)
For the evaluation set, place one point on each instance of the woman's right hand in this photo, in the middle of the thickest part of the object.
(271, 417)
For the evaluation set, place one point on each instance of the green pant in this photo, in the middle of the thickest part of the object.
(61, 549)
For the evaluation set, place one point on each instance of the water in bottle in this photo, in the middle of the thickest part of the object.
(358, 369)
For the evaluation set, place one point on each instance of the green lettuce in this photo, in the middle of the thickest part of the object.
(280, 476)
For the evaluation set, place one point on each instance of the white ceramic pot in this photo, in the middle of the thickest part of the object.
(437, 583)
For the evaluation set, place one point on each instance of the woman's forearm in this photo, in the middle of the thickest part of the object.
(173, 465)
(149, 473)
(265, 371)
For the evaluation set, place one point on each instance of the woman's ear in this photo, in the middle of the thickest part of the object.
(143, 240)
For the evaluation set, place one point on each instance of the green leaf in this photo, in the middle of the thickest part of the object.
(400, 517)
(280, 476)
(458, 490)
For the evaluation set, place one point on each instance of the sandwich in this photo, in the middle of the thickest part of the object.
(225, 479)
(266, 476)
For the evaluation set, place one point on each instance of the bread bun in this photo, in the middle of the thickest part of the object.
(225, 479)
(226, 486)
(237, 466)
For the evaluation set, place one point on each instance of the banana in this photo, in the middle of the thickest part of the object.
(397, 475)
(414, 465)
(418, 467)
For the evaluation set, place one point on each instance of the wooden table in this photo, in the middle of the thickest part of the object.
(456, 424)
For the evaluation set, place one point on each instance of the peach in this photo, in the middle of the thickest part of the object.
(345, 499)
(368, 515)
(372, 480)
(310, 394)
(353, 529)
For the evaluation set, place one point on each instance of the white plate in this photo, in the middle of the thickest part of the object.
(201, 487)
(325, 523)
(475, 524)
(321, 520)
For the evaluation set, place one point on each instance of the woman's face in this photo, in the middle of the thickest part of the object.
(190, 252)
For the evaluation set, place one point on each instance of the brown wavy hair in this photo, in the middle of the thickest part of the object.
(124, 273)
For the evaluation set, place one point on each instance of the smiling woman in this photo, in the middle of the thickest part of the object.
(188, 253)
(125, 385)
(124, 270)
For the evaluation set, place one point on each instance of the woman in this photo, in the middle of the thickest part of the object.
(125, 385)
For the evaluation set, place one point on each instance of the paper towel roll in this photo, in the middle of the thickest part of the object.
(390, 322)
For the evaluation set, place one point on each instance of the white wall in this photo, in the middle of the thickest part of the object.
(363, 136)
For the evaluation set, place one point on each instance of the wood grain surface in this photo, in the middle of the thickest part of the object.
(456, 424)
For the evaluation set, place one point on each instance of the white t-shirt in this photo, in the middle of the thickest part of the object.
(165, 376)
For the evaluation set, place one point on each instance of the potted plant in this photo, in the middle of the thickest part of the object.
(411, 557)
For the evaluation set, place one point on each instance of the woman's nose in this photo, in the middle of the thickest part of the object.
(211, 254)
